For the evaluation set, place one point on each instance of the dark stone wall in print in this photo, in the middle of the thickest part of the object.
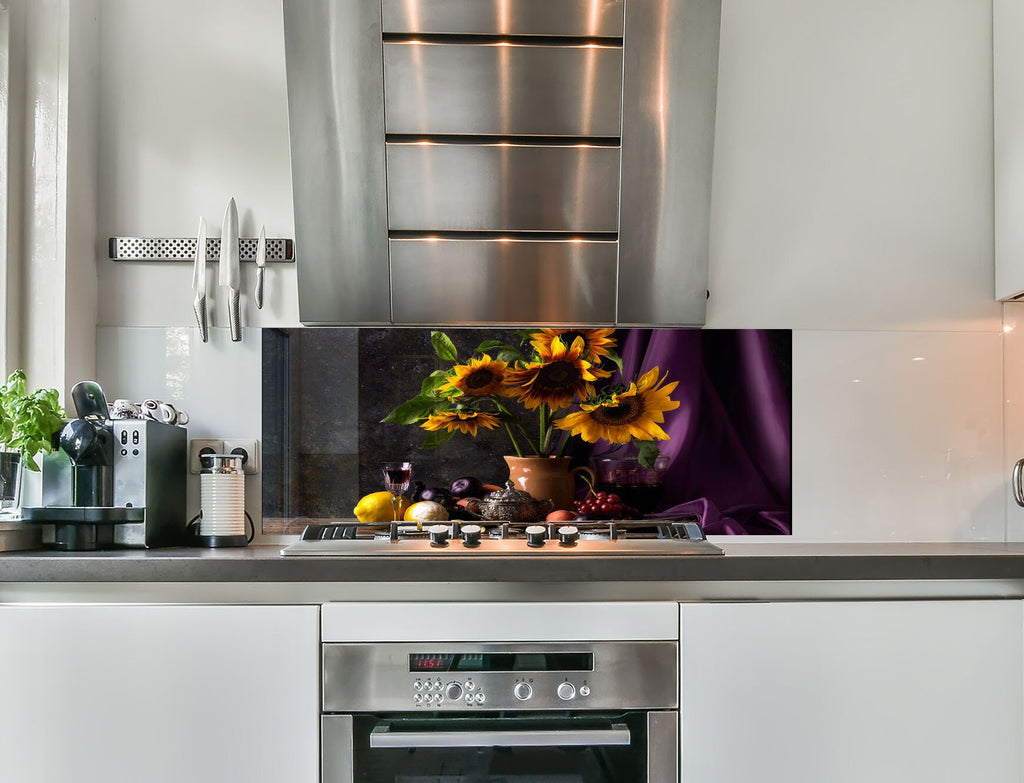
(392, 364)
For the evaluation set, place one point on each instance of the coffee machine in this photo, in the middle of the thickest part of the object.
(113, 483)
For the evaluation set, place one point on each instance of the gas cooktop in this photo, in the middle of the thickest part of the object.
(633, 537)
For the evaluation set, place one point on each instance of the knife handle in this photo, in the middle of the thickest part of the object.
(235, 316)
(258, 293)
(199, 305)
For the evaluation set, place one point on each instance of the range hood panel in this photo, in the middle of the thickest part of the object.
(490, 187)
(502, 90)
(594, 18)
(575, 281)
(426, 132)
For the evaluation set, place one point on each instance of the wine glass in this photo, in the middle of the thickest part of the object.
(397, 476)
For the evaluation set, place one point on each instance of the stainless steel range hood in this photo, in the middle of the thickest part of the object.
(502, 161)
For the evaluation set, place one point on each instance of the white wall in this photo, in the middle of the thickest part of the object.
(852, 203)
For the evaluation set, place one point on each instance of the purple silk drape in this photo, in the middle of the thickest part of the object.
(730, 442)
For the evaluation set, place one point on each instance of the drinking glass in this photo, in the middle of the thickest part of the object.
(397, 476)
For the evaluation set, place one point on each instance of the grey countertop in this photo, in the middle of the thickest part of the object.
(754, 561)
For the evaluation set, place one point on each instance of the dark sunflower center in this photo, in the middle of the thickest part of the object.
(558, 375)
(479, 379)
(626, 412)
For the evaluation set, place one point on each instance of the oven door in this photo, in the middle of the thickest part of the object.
(630, 747)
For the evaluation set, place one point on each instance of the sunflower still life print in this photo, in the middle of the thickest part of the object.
(556, 384)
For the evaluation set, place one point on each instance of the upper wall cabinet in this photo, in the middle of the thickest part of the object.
(502, 162)
(1008, 125)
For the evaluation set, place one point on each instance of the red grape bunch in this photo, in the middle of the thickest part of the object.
(601, 505)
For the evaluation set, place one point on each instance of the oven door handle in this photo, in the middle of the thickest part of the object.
(383, 737)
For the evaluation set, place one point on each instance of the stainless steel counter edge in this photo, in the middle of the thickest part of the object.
(757, 562)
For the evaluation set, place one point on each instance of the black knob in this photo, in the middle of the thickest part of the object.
(438, 535)
(471, 535)
(568, 535)
(535, 535)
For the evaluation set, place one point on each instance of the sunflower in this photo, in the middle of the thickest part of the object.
(561, 375)
(464, 420)
(633, 413)
(597, 343)
(479, 378)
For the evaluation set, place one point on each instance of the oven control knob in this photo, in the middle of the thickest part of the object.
(566, 691)
(523, 691)
(453, 691)
(470, 685)
(568, 535)
(471, 535)
(584, 690)
(535, 535)
(438, 535)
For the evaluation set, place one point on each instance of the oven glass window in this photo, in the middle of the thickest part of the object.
(469, 750)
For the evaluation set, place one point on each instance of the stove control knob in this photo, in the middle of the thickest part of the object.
(471, 535)
(568, 535)
(584, 690)
(453, 691)
(438, 535)
(523, 691)
(566, 691)
(535, 535)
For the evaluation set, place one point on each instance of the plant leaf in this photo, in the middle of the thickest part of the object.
(411, 412)
(510, 355)
(444, 347)
(648, 452)
(488, 345)
(615, 359)
(435, 439)
(432, 382)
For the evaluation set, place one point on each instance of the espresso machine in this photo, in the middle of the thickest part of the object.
(112, 483)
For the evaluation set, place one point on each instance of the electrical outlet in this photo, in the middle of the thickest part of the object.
(198, 446)
(249, 449)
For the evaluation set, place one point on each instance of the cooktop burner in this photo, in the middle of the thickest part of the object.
(599, 537)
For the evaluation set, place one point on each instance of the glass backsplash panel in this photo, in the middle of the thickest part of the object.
(325, 391)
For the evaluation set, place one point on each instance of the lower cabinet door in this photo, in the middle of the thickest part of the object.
(104, 694)
(852, 692)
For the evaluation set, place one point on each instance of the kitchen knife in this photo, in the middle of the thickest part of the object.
(229, 275)
(199, 282)
(261, 262)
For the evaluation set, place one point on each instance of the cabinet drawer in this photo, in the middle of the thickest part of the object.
(502, 89)
(540, 281)
(499, 17)
(502, 187)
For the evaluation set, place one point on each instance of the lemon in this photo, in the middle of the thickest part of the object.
(426, 511)
(376, 507)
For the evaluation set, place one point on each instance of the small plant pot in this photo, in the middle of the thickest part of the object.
(11, 469)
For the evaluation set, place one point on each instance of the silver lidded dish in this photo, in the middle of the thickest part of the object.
(510, 505)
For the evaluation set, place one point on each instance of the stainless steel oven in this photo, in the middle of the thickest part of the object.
(519, 712)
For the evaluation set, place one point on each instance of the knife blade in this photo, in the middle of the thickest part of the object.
(261, 262)
(199, 282)
(229, 274)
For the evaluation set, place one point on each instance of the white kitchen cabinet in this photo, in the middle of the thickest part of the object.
(851, 692)
(1008, 150)
(159, 693)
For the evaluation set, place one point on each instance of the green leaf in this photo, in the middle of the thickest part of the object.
(648, 452)
(432, 382)
(488, 345)
(435, 439)
(412, 411)
(510, 355)
(444, 347)
(615, 359)
(28, 422)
